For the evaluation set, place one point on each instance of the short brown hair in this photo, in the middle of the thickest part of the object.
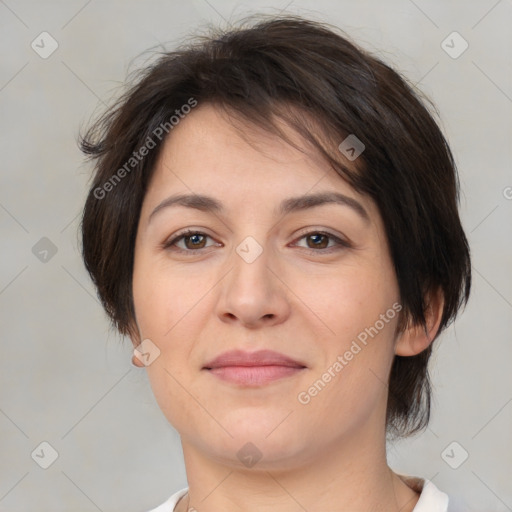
(296, 70)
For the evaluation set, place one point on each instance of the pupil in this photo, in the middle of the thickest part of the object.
(317, 239)
(195, 239)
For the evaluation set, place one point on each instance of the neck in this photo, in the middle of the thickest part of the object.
(351, 475)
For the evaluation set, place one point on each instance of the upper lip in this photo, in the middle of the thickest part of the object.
(258, 358)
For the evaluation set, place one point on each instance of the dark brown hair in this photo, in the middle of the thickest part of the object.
(326, 88)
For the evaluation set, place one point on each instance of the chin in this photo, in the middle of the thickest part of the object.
(259, 421)
(259, 454)
(266, 437)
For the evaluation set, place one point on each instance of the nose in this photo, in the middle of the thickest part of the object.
(252, 294)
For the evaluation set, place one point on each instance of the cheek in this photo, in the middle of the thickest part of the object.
(170, 307)
(349, 386)
(359, 308)
(173, 401)
(164, 296)
(349, 301)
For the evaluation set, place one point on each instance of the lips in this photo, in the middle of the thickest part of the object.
(259, 358)
(253, 369)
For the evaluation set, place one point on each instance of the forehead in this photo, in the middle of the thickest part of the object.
(242, 164)
(213, 136)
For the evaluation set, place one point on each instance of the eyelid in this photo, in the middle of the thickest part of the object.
(341, 242)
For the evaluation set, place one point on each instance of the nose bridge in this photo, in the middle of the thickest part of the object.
(251, 292)
(250, 276)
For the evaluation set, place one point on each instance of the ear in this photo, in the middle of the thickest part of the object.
(416, 338)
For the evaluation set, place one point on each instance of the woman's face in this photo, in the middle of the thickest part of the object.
(268, 269)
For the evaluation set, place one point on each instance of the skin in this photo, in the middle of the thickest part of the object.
(328, 454)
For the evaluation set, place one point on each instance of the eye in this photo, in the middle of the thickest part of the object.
(192, 240)
(318, 241)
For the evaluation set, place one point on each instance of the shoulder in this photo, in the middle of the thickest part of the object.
(170, 503)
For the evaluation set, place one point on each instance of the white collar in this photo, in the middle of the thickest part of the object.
(431, 498)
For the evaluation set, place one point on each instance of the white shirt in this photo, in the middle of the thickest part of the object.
(431, 498)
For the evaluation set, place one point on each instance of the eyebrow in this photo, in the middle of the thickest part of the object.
(293, 204)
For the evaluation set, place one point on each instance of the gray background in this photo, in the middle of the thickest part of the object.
(66, 378)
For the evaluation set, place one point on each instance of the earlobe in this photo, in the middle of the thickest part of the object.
(136, 361)
(416, 338)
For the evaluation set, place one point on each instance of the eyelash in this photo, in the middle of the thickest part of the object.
(341, 244)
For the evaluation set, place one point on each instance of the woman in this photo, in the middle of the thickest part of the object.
(273, 222)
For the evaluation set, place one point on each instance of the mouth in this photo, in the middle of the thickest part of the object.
(253, 369)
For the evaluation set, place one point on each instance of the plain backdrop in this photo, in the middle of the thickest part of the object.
(66, 378)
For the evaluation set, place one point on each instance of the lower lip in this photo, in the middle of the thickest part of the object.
(254, 375)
